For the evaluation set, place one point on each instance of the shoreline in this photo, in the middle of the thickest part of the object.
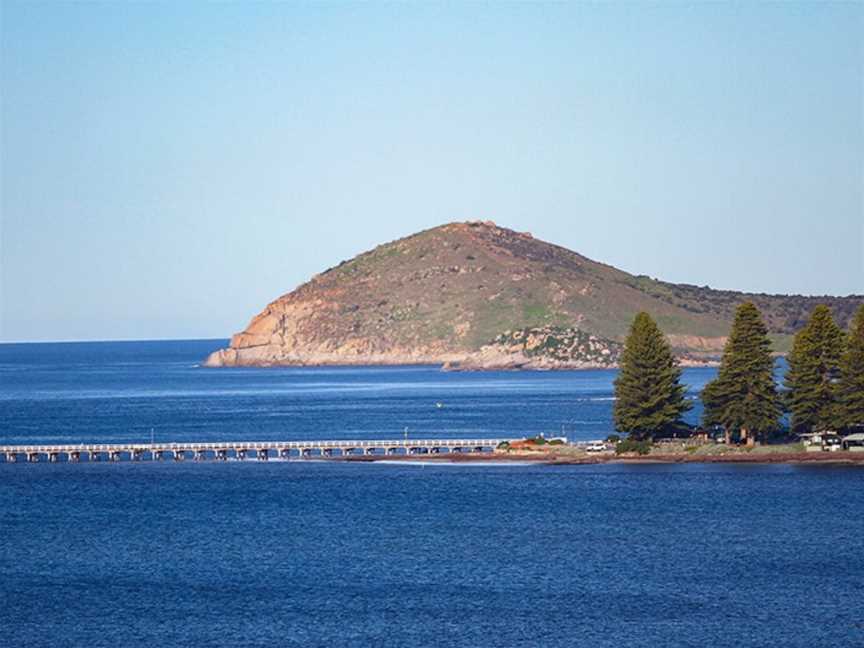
(458, 365)
(844, 458)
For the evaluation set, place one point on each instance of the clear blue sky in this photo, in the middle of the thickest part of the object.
(168, 170)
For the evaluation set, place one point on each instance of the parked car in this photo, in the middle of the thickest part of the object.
(596, 446)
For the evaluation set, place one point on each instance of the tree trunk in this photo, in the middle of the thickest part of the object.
(728, 436)
(746, 436)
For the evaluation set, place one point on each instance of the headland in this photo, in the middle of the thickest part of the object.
(473, 295)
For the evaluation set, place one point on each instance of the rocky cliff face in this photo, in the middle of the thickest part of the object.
(477, 295)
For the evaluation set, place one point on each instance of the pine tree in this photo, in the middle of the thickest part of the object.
(850, 389)
(712, 409)
(743, 398)
(649, 399)
(814, 367)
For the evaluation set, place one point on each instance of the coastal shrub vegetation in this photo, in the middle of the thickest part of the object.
(560, 343)
(637, 446)
(743, 398)
(649, 398)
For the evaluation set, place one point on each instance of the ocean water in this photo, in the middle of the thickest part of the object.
(126, 391)
(330, 554)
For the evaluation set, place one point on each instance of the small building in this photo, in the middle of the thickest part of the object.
(700, 435)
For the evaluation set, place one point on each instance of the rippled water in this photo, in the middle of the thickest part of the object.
(327, 554)
(121, 391)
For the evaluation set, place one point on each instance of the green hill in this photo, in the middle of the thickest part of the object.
(477, 293)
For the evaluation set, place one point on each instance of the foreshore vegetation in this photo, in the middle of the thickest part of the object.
(743, 397)
(814, 371)
(851, 386)
(823, 387)
(649, 396)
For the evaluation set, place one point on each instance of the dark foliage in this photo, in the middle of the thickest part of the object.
(633, 446)
(850, 390)
(649, 399)
(743, 398)
(814, 370)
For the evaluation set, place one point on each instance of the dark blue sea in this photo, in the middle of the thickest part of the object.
(332, 554)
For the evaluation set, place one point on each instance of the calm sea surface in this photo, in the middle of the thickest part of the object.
(328, 554)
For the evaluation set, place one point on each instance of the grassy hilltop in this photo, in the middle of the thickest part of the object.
(484, 295)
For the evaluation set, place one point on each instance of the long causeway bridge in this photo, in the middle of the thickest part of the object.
(240, 450)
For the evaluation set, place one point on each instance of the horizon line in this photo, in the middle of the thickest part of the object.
(98, 341)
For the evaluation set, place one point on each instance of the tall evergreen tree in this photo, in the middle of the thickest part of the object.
(814, 368)
(743, 398)
(649, 399)
(850, 390)
(711, 405)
